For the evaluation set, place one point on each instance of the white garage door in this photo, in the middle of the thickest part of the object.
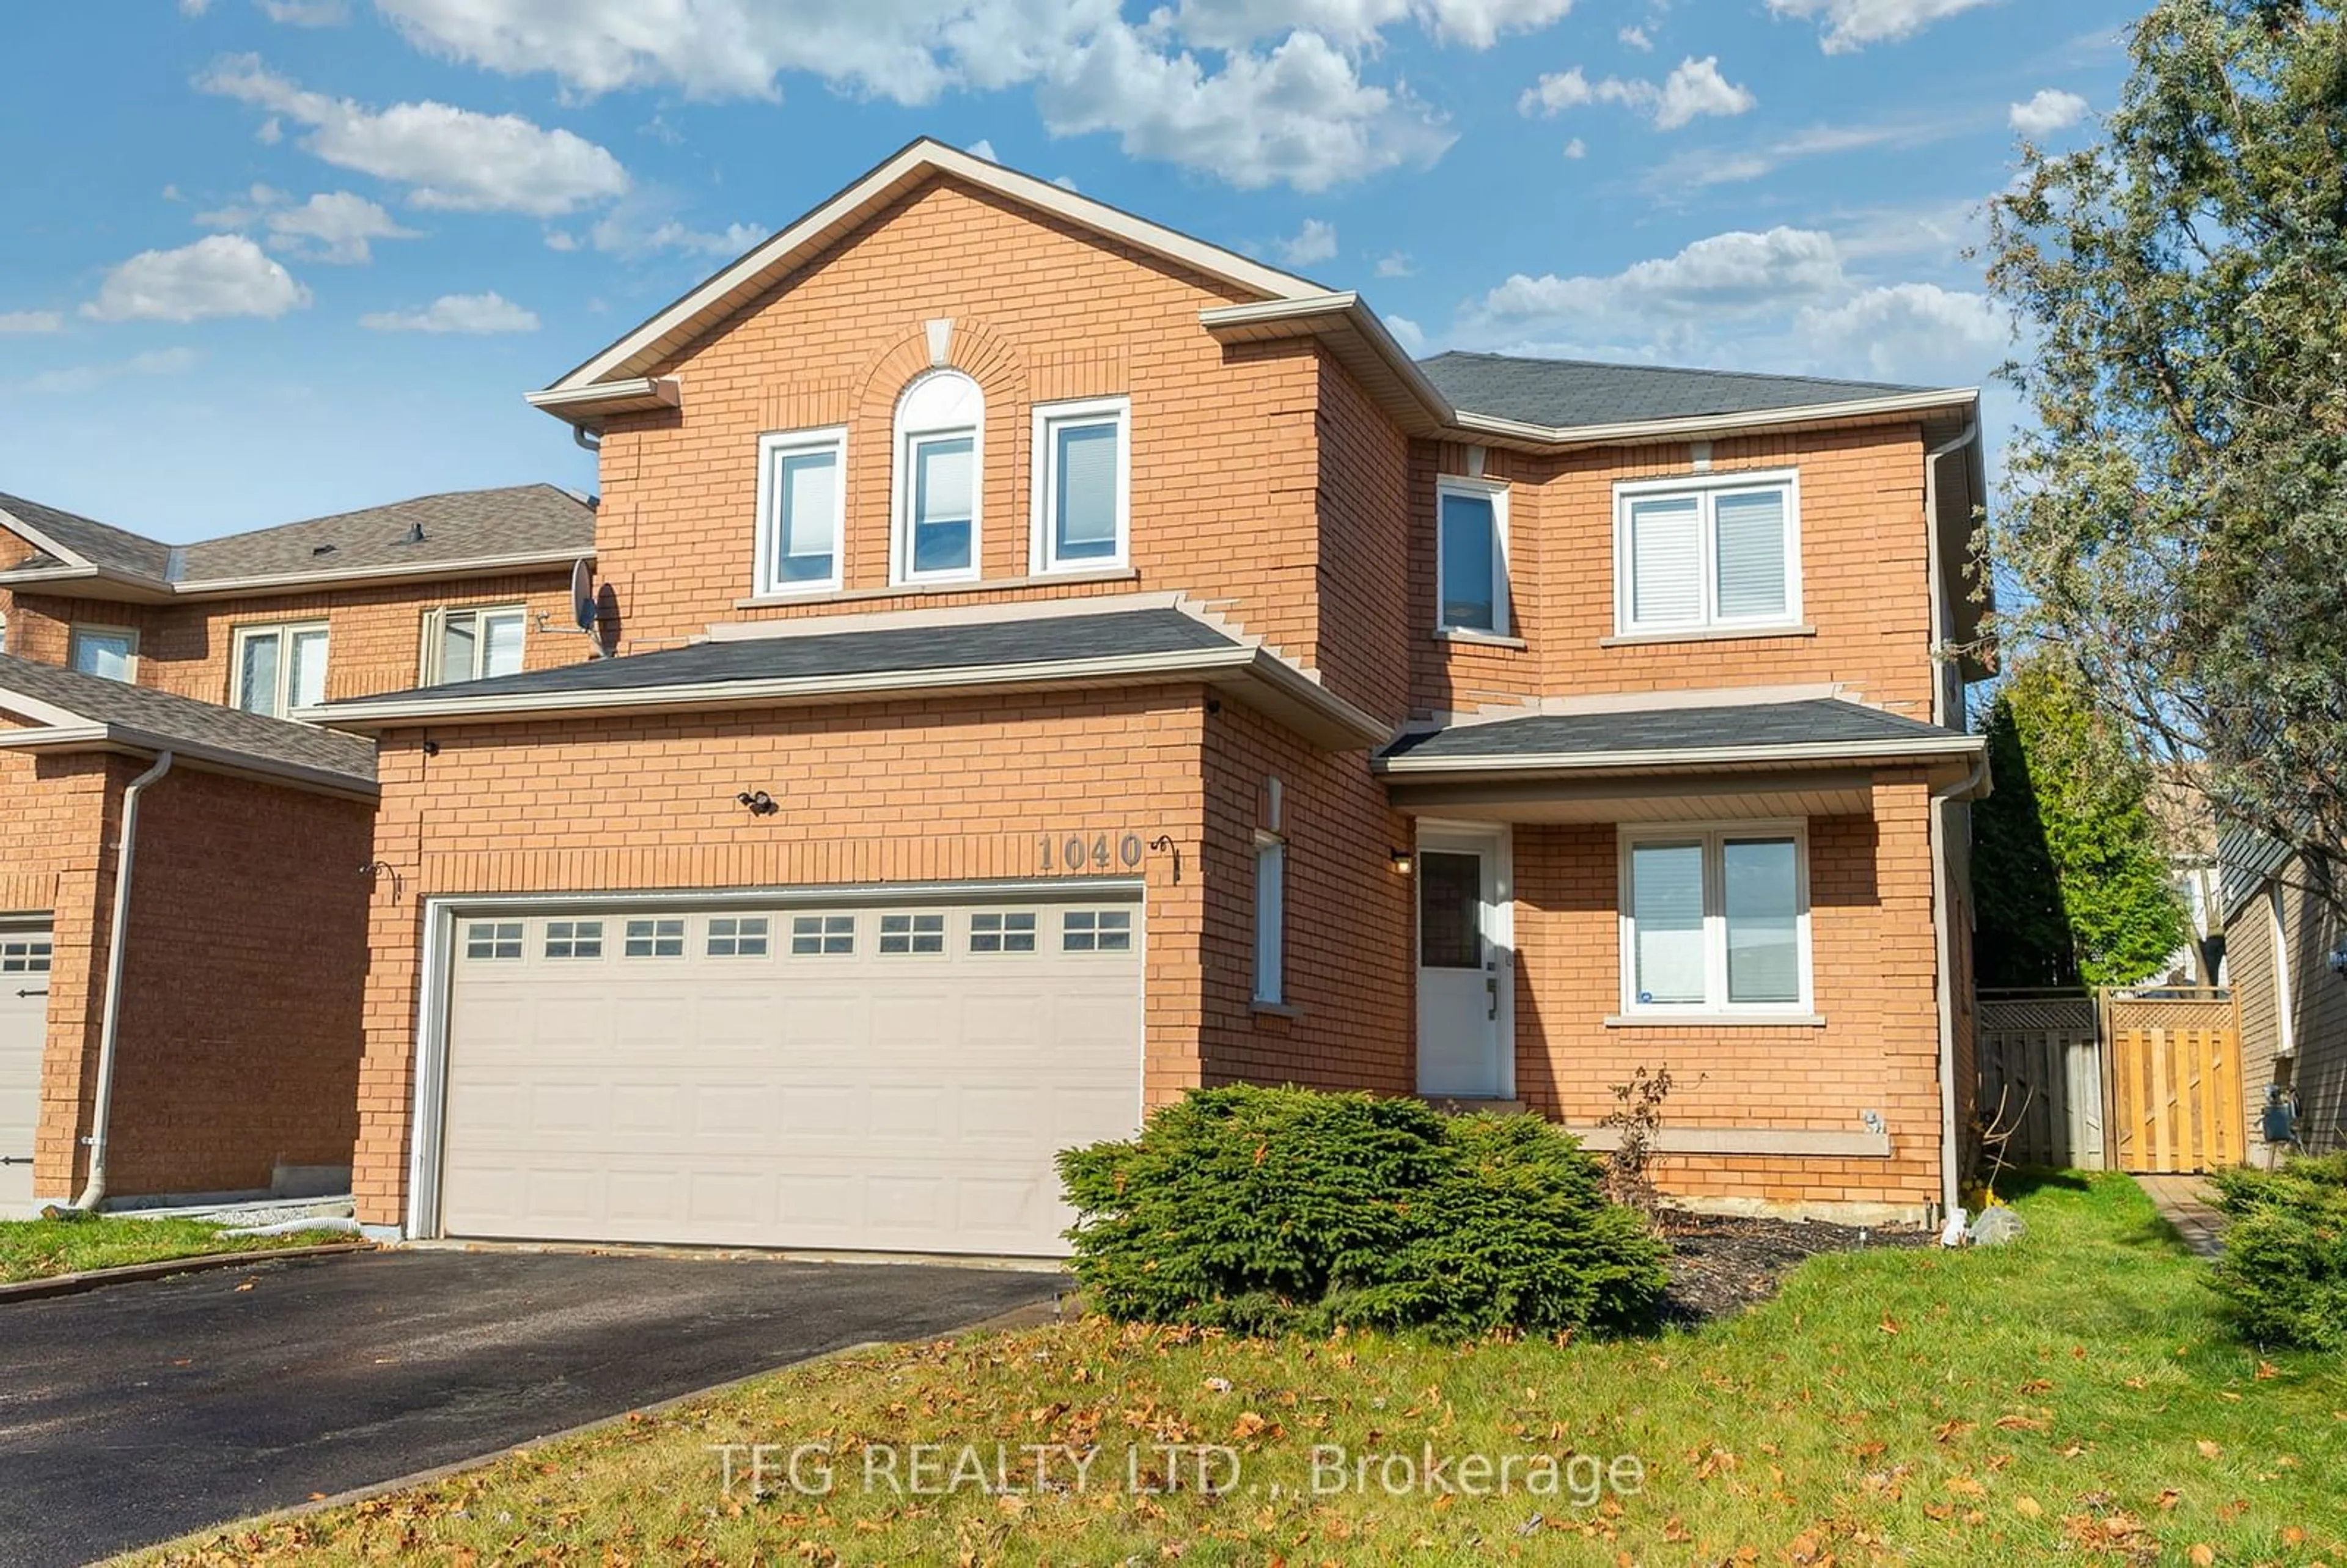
(25, 953)
(893, 1078)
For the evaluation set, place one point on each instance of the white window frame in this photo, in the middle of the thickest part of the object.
(436, 624)
(1270, 919)
(81, 630)
(2285, 1005)
(1502, 610)
(766, 581)
(1713, 836)
(284, 632)
(900, 526)
(1707, 488)
(1042, 556)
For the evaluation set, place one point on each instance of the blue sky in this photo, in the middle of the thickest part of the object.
(271, 259)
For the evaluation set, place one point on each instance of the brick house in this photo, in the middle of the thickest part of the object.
(1066, 664)
(239, 975)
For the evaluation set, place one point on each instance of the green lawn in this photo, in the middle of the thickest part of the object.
(2072, 1398)
(41, 1249)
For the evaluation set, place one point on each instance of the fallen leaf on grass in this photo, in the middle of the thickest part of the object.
(2027, 1507)
(2169, 1498)
(2207, 1450)
(2268, 1370)
(2203, 1554)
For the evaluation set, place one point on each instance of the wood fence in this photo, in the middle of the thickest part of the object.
(2041, 1077)
(2124, 1080)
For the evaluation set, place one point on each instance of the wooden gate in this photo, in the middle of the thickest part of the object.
(2041, 1077)
(2174, 1076)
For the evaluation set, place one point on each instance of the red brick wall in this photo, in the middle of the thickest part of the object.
(1349, 930)
(899, 792)
(1874, 980)
(1865, 576)
(373, 638)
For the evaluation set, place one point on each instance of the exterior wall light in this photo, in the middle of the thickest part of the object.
(1401, 858)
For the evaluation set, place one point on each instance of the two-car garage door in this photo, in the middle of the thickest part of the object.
(891, 1077)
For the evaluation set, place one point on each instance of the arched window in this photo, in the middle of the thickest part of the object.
(940, 431)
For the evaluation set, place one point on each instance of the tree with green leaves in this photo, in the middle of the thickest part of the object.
(2068, 863)
(2177, 520)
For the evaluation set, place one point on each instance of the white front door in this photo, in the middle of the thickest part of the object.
(25, 952)
(1465, 1005)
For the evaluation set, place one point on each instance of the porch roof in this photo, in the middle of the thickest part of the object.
(1812, 757)
(67, 711)
(1134, 641)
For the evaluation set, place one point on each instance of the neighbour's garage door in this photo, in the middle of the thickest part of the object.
(25, 952)
(894, 1078)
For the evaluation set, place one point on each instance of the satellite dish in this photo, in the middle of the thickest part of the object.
(582, 595)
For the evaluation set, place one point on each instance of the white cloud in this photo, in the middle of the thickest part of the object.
(1477, 24)
(561, 239)
(1296, 111)
(83, 377)
(1709, 167)
(650, 218)
(194, 8)
(1407, 333)
(1635, 38)
(1735, 273)
(1300, 115)
(1913, 332)
(1064, 182)
(2051, 110)
(1316, 241)
(20, 321)
(1577, 149)
(220, 275)
(1693, 90)
(1851, 24)
(1397, 265)
(306, 13)
(474, 313)
(271, 132)
(983, 149)
(336, 227)
(450, 158)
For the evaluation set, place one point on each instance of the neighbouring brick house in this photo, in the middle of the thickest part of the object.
(243, 956)
(1066, 664)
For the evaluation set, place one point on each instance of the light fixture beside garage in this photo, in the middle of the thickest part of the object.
(759, 802)
(1401, 858)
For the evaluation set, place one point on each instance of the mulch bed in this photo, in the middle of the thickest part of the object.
(1722, 1263)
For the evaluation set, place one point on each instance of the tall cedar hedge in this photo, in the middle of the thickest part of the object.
(1274, 1210)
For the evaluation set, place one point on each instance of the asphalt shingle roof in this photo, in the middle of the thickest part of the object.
(166, 718)
(85, 536)
(1040, 640)
(1822, 722)
(456, 529)
(1571, 393)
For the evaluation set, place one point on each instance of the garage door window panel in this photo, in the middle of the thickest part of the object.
(906, 935)
(25, 956)
(493, 939)
(655, 938)
(1096, 931)
(1002, 933)
(574, 939)
(822, 935)
(738, 937)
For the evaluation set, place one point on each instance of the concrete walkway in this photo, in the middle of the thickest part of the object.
(2183, 1202)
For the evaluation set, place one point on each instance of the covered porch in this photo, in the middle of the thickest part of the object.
(1751, 895)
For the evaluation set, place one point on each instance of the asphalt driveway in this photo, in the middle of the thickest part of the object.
(138, 1412)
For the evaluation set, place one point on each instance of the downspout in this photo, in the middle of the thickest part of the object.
(1941, 932)
(117, 935)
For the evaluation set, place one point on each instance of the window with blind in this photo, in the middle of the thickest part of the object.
(1715, 921)
(473, 644)
(802, 510)
(1472, 556)
(1083, 455)
(1715, 554)
(938, 435)
(279, 667)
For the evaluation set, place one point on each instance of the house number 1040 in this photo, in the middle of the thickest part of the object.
(1076, 854)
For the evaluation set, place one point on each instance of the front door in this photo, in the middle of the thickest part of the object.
(1464, 1004)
